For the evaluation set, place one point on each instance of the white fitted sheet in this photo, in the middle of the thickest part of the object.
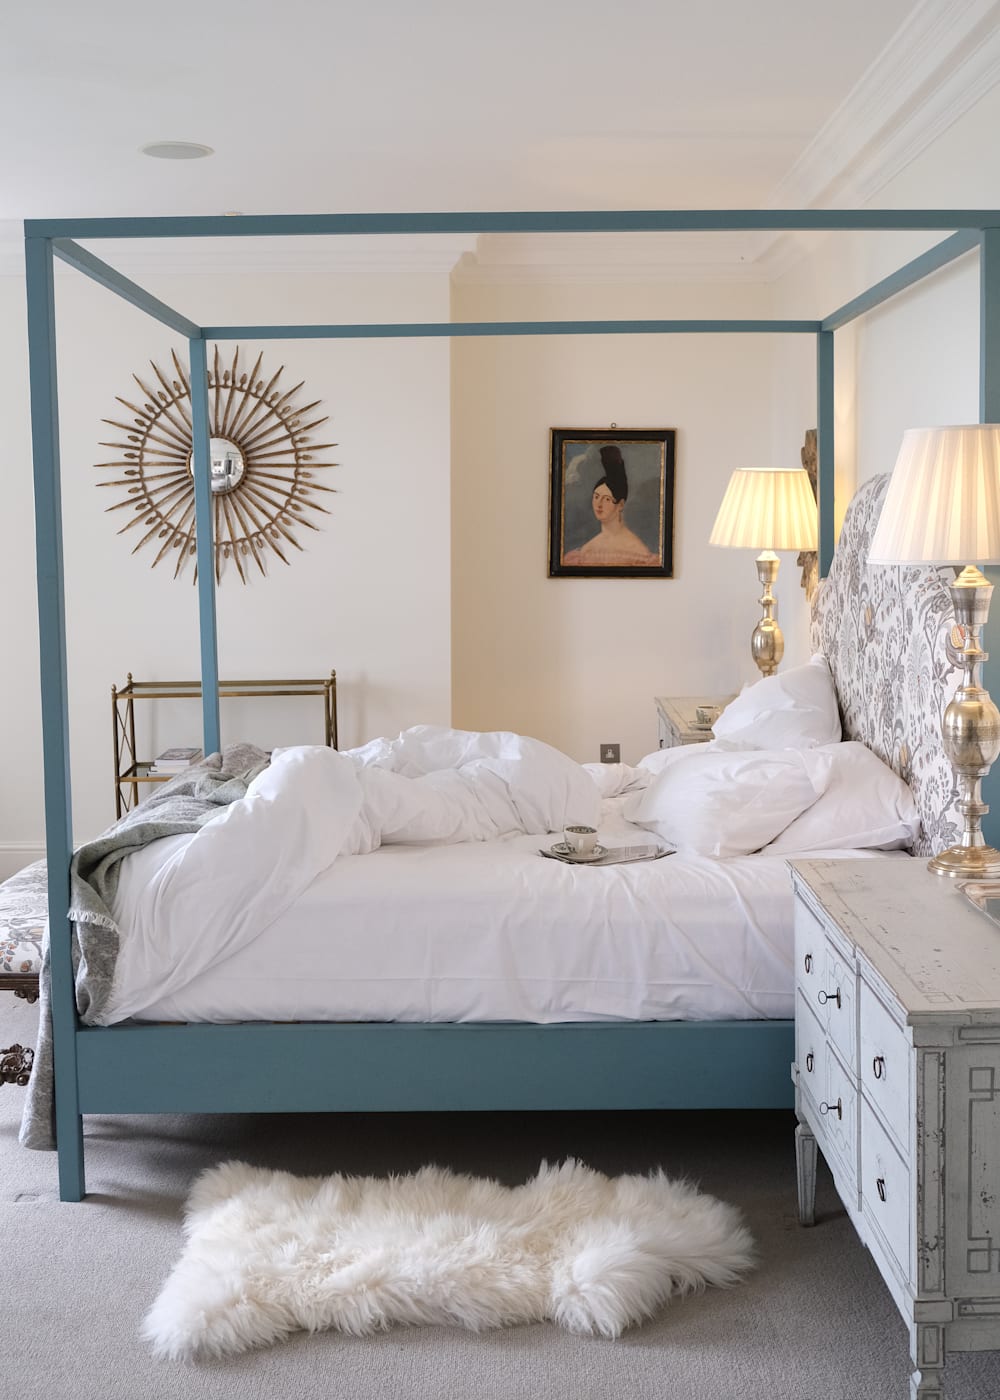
(489, 930)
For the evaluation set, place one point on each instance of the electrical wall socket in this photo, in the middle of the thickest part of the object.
(611, 753)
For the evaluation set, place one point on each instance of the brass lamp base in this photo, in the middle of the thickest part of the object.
(766, 640)
(971, 735)
(981, 863)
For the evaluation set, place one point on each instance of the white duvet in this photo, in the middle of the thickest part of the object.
(188, 903)
(403, 881)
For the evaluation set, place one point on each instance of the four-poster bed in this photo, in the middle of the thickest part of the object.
(391, 1065)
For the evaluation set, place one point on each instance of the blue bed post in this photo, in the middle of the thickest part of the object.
(827, 535)
(205, 537)
(55, 725)
(989, 412)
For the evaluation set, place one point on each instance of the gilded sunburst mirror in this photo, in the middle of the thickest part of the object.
(264, 467)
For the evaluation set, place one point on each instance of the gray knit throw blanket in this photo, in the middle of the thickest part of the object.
(184, 804)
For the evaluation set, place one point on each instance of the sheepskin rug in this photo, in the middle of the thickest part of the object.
(269, 1253)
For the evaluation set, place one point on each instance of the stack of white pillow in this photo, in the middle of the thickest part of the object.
(776, 778)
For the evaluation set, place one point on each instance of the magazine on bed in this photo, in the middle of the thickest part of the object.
(607, 855)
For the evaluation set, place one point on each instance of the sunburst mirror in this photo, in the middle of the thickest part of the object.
(264, 467)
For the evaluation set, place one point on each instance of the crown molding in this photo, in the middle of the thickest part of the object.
(941, 61)
(530, 259)
(937, 65)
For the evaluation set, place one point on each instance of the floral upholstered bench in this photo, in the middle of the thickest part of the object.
(22, 922)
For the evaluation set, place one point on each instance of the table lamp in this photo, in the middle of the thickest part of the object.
(767, 510)
(943, 507)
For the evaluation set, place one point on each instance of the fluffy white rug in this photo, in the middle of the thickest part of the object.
(269, 1253)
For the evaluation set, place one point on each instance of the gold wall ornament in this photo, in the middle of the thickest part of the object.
(264, 470)
(808, 560)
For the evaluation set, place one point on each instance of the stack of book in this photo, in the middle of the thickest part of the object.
(172, 761)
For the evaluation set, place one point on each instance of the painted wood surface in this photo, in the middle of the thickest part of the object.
(937, 953)
(406, 1067)
(913, 1056)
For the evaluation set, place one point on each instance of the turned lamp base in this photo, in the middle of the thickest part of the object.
(981, 863)
(971, 734)
(766, 641)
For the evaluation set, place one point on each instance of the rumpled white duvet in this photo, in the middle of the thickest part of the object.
(403, 881)
(185, 904)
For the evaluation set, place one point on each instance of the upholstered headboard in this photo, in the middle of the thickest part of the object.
(886, 632)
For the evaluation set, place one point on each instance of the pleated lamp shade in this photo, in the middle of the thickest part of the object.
(943, 502)
(766, 509)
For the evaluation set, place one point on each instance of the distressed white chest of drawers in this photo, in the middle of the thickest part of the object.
(897, 1080)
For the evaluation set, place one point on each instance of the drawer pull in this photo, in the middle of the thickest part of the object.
(880, 1187)
(824, 997)
(878, 1066)
(829, 1108)
(810, 1061)
(808, 962)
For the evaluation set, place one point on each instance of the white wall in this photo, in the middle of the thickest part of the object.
(577, 662)
(913, 361)
(369, 595)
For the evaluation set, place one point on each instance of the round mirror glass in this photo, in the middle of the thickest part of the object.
(228, 466)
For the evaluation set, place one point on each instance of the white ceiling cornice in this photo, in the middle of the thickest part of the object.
(519, 259)
(938, 65)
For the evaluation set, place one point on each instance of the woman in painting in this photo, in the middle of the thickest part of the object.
(614, 545)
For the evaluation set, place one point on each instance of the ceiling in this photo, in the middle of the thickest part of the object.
(446, 105)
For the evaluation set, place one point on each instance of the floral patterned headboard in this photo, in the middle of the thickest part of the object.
(886, 632)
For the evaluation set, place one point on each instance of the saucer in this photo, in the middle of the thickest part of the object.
(566, 852)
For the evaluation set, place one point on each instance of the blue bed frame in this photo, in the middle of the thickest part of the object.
(327, 1067)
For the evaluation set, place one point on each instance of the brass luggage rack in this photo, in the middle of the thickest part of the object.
(131, 771)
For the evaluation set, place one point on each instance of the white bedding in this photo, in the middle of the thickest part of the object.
(314, 923)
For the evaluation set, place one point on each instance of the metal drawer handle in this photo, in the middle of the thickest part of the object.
(824, 997)
(878, 1066)
(880, 1187)
(810, 1061)
(809, 962)
(829, 1107)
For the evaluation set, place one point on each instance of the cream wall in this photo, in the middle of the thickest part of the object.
(577, 662)
(369, 595)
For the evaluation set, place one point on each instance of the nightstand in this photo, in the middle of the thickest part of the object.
(897, 1081)
(678, 721)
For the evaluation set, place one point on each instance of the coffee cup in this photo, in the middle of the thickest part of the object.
(581, 840)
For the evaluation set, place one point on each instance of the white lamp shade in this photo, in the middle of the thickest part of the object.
(943, 502)
(765, 509)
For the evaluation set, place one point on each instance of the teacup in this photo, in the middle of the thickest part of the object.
(707, 714)
(581, 840)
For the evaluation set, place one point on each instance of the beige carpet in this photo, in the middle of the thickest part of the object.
(814, 1322)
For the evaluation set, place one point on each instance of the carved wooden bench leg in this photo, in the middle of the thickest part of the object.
(15, 1065)
(16, 1060)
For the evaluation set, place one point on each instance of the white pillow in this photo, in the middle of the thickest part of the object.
(865, 807)
(795, 709)
(715, 802)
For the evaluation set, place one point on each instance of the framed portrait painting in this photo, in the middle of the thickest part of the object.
(611, 503)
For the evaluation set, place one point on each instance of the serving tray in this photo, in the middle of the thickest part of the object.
(610, 855)
(985, 895)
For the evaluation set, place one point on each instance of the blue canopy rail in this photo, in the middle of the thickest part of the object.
(87, 1063)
